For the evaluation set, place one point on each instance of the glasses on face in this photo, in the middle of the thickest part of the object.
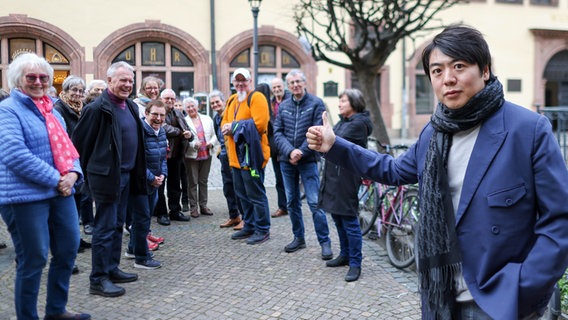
(151, 88)
(167, 98)
(32, 77)
(161, 115)
(77, 90)
(293, 82)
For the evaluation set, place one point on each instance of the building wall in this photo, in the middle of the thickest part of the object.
(522, 39)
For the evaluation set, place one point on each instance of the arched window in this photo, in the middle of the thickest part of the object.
(17, 45)
(161, 60)
(273, 61)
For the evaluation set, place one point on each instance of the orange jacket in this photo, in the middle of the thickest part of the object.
(258, 111)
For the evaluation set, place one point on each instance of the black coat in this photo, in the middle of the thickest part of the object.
(97, 138)
(71, 117)
(339, 186)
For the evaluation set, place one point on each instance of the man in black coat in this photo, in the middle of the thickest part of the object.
(110, 141)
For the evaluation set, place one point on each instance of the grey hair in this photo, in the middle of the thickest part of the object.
(167, 91)
(217, 93)
(295, 72)
(95, 82)
(72, 81)
(190, 100)
(111, 71)
(21, 63)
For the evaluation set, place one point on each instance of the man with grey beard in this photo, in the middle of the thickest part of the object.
(245, 129)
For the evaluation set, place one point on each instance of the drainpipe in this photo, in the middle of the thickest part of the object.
(213, 50)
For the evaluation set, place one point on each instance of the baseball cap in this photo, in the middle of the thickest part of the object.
(242, 71)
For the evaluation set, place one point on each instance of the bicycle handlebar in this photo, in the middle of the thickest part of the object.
(387, 147)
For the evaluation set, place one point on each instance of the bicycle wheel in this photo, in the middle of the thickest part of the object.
(400, 236)
(368, 202)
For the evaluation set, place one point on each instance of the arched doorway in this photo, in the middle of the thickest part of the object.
(556, 75)
(22, 34)
(279, 52)
(153, 48)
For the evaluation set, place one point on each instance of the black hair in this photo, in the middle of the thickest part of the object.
(355, 98)
(460, 42)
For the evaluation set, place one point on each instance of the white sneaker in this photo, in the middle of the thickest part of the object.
(129, 255)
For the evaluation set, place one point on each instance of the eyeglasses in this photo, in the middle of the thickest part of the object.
(161, 115)
(293, 82)
(32, 78)
(151, 88)
(76, 90)
(167, 98)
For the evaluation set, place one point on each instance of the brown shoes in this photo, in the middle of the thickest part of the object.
(239, 226)
(279, 213)
(206, 211)
(231, 222)
(194, 213)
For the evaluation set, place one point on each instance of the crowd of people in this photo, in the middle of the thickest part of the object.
(492, 239)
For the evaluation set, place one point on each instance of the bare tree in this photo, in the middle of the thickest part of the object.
(366, 32)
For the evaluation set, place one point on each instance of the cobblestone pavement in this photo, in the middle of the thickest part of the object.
(206, 275)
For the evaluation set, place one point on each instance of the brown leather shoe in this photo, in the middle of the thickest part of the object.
(279, 213)
(194, 213)
(231, 222)
(239, 226)
(206, 211)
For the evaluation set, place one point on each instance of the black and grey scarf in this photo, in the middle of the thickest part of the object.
(439, 259)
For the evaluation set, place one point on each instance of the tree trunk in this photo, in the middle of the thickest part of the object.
(367, 80)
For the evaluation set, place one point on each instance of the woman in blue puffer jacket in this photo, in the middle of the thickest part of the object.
(39, 168)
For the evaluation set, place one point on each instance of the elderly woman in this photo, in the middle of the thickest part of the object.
(149, 90)
(355, 126)
(69, 105)
(38, 170)
(198, 157)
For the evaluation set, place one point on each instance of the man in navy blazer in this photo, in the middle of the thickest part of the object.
(493, 233)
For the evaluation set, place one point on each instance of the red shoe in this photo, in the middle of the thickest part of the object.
(152, 246)
(153, 238)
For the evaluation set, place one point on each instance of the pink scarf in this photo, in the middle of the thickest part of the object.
(63, 150)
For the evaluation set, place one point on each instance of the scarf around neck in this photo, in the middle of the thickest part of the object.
(75, 106)
(62, 149)
(438, 253)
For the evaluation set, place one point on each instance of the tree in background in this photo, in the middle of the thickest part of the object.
(366, 32)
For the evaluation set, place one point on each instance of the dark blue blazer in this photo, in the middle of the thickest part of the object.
(512, 219)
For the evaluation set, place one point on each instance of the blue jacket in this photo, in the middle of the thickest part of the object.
(247, 143)
(27, 171)
(156, 149)
(512, 219)
(290, 126)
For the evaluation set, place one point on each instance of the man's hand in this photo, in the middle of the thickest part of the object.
(157, 181)
(321, 138)
(187, 134)
(295, 156)
(226, 129)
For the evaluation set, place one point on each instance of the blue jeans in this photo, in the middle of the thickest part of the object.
(308, 172)
(36, 228)
(350, 238)
(252, 195)
(280, 190)
(141, 207)
(233, 202)
(107, 233)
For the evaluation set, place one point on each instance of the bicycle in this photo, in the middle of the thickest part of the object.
(399, 214)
